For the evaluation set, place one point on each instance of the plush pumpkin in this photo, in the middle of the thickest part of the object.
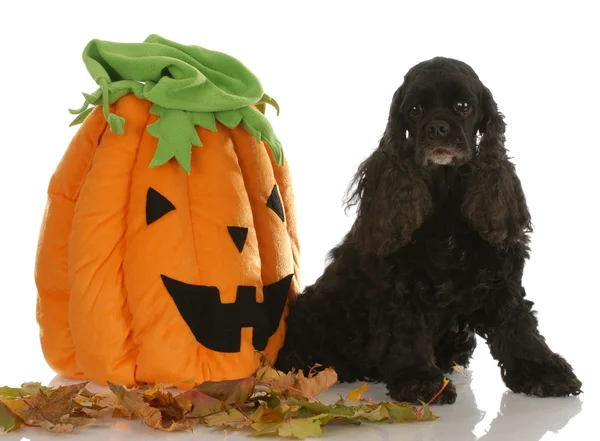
(168, 250)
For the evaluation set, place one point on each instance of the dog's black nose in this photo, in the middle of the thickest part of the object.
(437, 129)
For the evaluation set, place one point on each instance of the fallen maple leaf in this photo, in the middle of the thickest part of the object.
(200, 404)
(313, 386)
(229, 391)
(296, 384)
(8, 421)
(229, 418)
(301, 428)
(166, 416)
(25, 390)
(51, 409)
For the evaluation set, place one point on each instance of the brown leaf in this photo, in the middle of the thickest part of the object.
(264, 414)
(311, 387)
(200, 404)
(56, 411)
(161, 412)
(297, 384)
(230, 391)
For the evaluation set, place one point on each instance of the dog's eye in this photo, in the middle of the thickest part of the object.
(415, 111)
(463, 108)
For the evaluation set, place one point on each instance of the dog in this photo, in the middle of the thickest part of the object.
(434, 257)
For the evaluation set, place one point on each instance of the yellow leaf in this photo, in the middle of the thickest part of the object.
(301, 428)
(355, 394)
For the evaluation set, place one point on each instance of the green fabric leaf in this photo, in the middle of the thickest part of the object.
(81, 117)
(255, 121)
(266, 99)
(176, 135)
(230, 119)
(117, 124)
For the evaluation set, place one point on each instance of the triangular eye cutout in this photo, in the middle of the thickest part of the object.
(274, 203)
(238, 235)
(156, 206)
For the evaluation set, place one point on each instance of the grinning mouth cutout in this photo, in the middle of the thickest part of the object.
(218, 325)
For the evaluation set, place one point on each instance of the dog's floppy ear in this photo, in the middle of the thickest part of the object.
(492, 125)
(494, 201)
(395, 130)
(391, 192)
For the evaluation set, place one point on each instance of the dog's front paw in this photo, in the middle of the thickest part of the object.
(553, 378)
(415, 390)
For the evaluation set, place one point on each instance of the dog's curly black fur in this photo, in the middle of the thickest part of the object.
(436, 254)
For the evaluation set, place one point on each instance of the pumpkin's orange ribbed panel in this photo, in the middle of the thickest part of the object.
(190, 244)
(99, 313)
(284, 181)
(277, 260)
(51, 268)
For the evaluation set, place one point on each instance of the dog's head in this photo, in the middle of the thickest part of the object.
(435, 118)
(438, 111)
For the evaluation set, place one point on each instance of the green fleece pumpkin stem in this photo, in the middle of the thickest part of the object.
(188, 85)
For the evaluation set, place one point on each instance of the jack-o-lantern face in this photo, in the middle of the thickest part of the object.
(151, 274)
(218, 325)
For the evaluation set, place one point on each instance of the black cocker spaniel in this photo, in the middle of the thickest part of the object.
(436, 254)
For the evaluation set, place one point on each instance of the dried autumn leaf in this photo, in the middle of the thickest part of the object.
(355, 394)
(229, 391)
(166, 416)
(266, 414)
(265, 428)
(311, 387)
(297, 384)
(95, 406)
(15, 405)
(52, 409)
(372, 413)
(8, 421)
(301, 428)
(228, 418)
(458, 368)
(271, 403)
(23, 391)
(151, 390)
(266, 372)
(399, 412)
(425, 413)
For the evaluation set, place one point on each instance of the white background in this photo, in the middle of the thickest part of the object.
(333, 67)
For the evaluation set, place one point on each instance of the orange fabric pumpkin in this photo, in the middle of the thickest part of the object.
(150, 274)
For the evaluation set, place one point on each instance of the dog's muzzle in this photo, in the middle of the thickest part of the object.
(442, 155)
